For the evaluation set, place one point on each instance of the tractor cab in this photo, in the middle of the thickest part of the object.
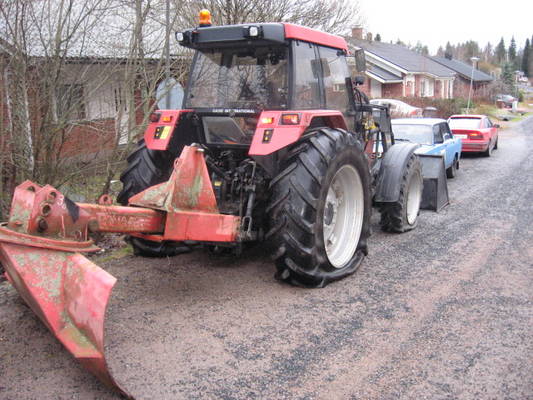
(239, 71)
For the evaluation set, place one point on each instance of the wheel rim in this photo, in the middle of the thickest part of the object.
(343, 216)
(414, 194)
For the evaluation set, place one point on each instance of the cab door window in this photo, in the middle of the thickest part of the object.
(306, 76)
(334, 73)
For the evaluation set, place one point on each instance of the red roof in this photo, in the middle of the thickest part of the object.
(299, 32)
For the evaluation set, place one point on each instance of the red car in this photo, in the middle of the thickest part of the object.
(477, 133)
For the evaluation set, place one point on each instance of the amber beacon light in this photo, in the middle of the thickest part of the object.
(205, 18)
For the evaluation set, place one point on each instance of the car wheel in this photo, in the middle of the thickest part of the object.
(496, 144)
(451, 172)
(488, 152)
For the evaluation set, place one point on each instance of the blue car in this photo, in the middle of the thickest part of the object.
(434, 136)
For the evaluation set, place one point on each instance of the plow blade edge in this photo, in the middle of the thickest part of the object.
(69, 293)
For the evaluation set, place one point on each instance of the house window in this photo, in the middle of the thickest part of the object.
(70, 102)
(422, 88)
(339, 87)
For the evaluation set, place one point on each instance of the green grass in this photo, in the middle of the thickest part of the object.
(115, 254)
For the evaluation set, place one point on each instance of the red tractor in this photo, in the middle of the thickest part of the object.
(274, 142)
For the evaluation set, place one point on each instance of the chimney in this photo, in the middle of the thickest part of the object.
(357, 33)
(369, 36)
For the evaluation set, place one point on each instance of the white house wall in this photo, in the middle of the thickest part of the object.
(375, 89)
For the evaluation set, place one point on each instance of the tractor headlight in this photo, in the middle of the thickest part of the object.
(253, 31)
(180, 37)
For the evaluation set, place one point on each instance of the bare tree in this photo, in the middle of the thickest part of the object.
(335, 16)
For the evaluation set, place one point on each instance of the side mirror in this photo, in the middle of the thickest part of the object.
(359, 80)
(360, 60)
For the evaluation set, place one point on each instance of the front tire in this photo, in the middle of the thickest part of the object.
(320, 209)
(147, 168)
(402, 215)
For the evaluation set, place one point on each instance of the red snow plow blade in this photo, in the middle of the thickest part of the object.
(41, 243)
(69, 294)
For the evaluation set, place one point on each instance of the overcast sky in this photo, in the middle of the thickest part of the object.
(435, 22)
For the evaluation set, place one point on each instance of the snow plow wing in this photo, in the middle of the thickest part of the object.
(435, 194)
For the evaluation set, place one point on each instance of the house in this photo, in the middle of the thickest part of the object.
(395, 71)
(79, 95)
(466, 72)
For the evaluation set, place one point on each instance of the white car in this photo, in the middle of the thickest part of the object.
(398, 108)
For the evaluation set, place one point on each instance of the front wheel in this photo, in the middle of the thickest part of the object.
(320, 209)
(402, 215)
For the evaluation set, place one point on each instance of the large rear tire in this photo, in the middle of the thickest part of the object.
(320, 209)
(148, 168)
(402, 215)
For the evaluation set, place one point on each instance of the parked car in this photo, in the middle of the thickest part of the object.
(434, 137)
(399, 109)
(506, 99)
(477, 132)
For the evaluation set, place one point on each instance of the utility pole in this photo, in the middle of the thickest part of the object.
(474, 60)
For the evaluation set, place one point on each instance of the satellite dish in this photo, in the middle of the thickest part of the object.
(170, 94)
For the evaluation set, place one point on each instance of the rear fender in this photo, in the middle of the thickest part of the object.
(391, 172)
(158, 134)
(271, 135)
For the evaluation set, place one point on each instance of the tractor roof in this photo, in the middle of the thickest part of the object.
(269, 33)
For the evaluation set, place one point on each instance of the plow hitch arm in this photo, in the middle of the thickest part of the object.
(42, 243)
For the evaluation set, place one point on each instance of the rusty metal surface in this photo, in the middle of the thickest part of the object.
(190, 203)
(69, 294)
(9, 236)
(123, 219)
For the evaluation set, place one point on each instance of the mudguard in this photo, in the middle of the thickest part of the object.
(272, 135)
(391, 172)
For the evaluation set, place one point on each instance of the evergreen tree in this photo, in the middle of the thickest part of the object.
(508, 74)
(471, 49)
(512, 52)
(378, 37)
(440, 52)
(500, 52)
(448, 52)
(526, 56)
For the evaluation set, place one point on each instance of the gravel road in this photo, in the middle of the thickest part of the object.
(444, 311)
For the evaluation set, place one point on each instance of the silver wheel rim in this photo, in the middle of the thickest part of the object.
(343, 216)
(414, 195)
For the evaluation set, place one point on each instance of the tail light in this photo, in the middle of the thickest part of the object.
(290, 119)
(475, 135)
